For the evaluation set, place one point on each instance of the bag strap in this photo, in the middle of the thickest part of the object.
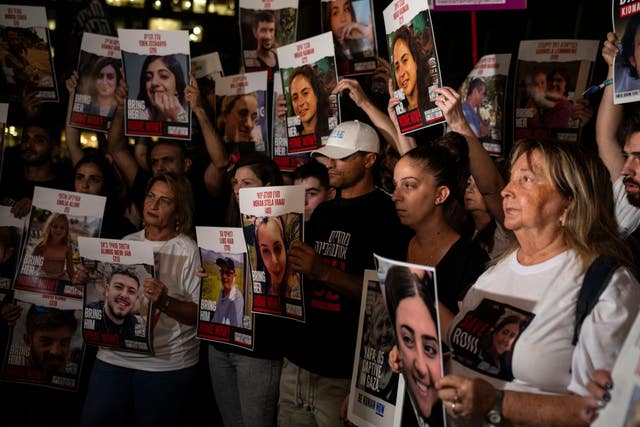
(595, 282)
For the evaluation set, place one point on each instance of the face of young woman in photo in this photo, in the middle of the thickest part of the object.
(240, 121)
(272, 250)
(415, 192)
(303, 98)
(59, 230)
(341, 11)
(106, 81)
(245, 178)
(160, 80)
(504, 338)
(406, 69)
(419, 352)
(89, 179)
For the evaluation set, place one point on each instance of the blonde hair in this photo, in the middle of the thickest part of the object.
(590, 227)
(46, 232)
(182, 197)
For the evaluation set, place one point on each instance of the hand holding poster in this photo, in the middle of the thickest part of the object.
(45, 345)
(308, 70)
(99, 71)
(225, 294)
(116, 313)
(27, 64)
(206, 69)
(11, 230)
(413, 56)
(354, 35)
(242, 113)
(411, 297)
(156, 66)
(626, 80)
(273, 218)
(265, 26)
(51, 249)
(377, 393)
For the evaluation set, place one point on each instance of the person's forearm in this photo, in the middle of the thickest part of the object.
(346, 284)
(183, 311)
(607, 122)
(73, 135)
(212, 140)
(117, 147)
(541, 410)
(382, 122)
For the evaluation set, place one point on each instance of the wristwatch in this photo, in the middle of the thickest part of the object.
(494, 416)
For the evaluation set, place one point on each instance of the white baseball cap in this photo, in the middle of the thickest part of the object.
(348, 138)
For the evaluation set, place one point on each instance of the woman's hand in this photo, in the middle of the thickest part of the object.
(353, 89)
(395, 361)
(450, 102)
(355, 31)
(609, 48)
(80, 276)
(464, 397)
(192, 93)
(154, 290)
(21, 208)
(169, 107)
(72, 83)
(121, 92)
(599, 388)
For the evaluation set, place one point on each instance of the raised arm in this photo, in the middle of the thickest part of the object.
(609, 117)
(72, 133)
(117, 141)
(488, 179)
(214, 173)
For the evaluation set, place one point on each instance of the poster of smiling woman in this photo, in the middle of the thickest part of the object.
(156, 67)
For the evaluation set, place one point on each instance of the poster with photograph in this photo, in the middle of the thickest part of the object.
(156, 67)
(116, 313)
(279, 148)
(50, 252)
(264, 27)
(4, 114)
(273, 218)
(414, 59)
(226, 293)
(99, 72)
(624, 407)
(206, 69)
(483, 100)
(626, 80)
(11, 232)
(241, 104)
(45, 346)
(411, 296)
(25, 52)
(377, 393)
(354, 34)
(308, 70)
(551, 76)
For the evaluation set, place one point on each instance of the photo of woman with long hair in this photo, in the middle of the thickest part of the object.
(161, 87)
(411, 68)
(55, 248)
(309, 101)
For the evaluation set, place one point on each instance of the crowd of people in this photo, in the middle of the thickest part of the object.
(518, 250)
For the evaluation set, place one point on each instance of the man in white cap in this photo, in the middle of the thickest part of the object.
(341, 237)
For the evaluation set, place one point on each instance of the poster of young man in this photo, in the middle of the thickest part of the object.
(483, 93)
(25, 52)
(241, 106)
(551, 76)
(50, 252)
(265, 26)
(414, 63)
(354, 35)
(116, 312)
(45, 345)
(411, 297)
(377, 393)
(226, 293)
(273, 218)
(206, 69)
(156, 67)
(11, 230)
(626, 80)
(279, 148)
(99, 72)
(308, 70)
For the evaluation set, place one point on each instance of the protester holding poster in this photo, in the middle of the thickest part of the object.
(547, 366)
(128, 386)
(156, 66)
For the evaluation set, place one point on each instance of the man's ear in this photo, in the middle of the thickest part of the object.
(331, 193)
(370, 160)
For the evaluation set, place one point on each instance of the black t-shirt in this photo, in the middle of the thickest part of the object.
(346, 233)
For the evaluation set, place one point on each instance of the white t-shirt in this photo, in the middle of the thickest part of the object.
(174, 343)
(627, 215)
(544, 359)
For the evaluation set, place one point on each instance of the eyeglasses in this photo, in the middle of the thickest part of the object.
(163, 201)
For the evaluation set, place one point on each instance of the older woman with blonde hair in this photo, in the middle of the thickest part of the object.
(153, 389)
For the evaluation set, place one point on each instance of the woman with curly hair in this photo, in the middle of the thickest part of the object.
(411, 68)
(310, 101)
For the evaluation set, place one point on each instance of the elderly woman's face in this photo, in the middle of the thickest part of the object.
(106, 81)
(240, 121)
(419, 351)
(159, 80)
(303, 98)
(272, 250)
(405, 68)
(160, 206)
(530, 201)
